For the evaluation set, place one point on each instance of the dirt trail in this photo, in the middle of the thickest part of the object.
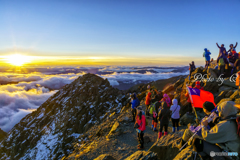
(125, 144)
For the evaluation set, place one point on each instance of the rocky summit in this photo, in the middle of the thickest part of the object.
(51, 131)
(89, 119)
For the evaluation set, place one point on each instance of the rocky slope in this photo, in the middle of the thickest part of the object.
(50, 131)
(89, 119)
(2, 135)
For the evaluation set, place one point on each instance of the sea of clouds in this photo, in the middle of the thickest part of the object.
(20, 94)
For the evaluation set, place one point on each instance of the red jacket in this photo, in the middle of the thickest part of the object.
(148, 98)
(141, 123)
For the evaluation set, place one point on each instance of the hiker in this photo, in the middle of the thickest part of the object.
(154, 108)
(191, 68)
(175, 108)
(232, 60)
(163, 117)
(207, 108)
(166, 99)
(223, 136)
(135, 103)
(221, 49)
(232, 48)
(237, 62)
(148, 102)
(198, 85)
(141, 127)
(222, 60)
(206, 54)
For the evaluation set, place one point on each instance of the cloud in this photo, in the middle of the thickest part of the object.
(148, 76)
(24, 93)
(16, 102)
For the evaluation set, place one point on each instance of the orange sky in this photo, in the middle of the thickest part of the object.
(26, 60)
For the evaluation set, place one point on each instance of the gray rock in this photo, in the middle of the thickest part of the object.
(212, 73)
(187, 154)
(229, 83)
(165, 147)
(187, 118)
(225, 88)
(143, 155)
(223, 100)
(146, 139)
(105, 157)
(220, 97)
(235, 95)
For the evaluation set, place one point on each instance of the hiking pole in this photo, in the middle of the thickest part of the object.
(192, 103)
(209, 119)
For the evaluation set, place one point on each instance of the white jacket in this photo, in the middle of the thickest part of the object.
(175, 108)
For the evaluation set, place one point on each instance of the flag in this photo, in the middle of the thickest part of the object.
(198, 97)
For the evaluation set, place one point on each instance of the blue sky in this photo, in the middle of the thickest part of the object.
(143, 29)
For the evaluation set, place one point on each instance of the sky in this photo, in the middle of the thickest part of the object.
(124, 32)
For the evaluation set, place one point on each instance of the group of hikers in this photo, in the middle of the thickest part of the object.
(221, 134)
(159, 108)
(226, 60)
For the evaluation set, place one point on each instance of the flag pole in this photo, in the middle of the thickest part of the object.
(192, 101)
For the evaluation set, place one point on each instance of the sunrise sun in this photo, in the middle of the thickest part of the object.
(17, 59)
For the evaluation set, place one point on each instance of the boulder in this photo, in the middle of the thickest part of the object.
(223, 100)
(184, 108)
(146, 139)
(169, 89)
(211, 86)
(142, 155)
(187, 118)
(165, 147)
(105, 157)
(235, 95)
(220, 96)
(187, 154)
(212, 73)
(116, 130)
(228, 83)
(225, 88)
(179, 82)
(229, 94)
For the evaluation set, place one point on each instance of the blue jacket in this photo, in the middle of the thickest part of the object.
(135, 102)
(206, 54)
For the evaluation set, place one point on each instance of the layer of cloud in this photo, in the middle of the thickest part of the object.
(24, 93)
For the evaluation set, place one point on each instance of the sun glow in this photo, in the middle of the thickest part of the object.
(18, 59)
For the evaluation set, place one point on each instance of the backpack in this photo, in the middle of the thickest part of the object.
(152, 108)
(221, 62)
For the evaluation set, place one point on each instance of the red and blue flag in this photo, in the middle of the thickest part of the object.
(198, 97)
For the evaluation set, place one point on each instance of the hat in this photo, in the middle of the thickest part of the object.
(139, 108)
(209, 106)
(148, 87)
(197, 83)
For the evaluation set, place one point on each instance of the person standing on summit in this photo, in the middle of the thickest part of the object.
(232, 48)
(206, 54)
(135, 103)
(148, 99)
(222, 49)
